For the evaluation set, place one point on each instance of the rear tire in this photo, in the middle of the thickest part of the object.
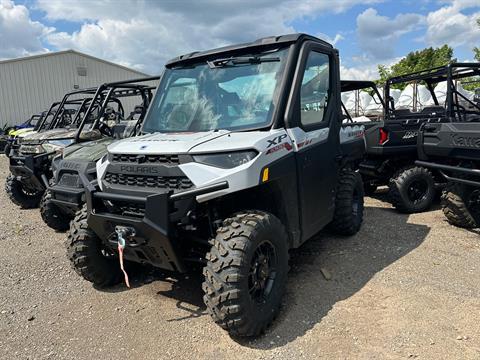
(19, 195)
(52, 214)
(84, 250)
(348, 216)
(246, 273)
(455, 206)
(412, 190)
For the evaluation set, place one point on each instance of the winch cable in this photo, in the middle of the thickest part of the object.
(121, 246)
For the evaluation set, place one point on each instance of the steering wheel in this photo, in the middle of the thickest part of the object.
(104, 129)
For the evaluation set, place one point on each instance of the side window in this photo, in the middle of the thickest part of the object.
(314, 93)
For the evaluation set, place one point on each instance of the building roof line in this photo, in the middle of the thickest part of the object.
(71, 51)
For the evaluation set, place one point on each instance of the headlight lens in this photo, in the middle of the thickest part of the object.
(31, 149)
(226, 160)
(57, 145)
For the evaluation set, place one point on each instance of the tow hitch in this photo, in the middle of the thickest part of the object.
(123, 233)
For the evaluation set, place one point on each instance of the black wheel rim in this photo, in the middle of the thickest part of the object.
(417, 191)
(262, 274)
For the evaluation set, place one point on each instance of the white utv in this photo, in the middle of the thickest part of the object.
(243, 156)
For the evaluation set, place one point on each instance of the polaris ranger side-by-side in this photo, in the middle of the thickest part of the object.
(243, 156)
(98, 111)
(66, 195)
(42, 123)
(392, 144)
(26, 184)
(453, 149)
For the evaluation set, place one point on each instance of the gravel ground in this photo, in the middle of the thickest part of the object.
(404, 287)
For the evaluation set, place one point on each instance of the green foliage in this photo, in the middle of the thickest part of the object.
(417, 61)
(476, 50)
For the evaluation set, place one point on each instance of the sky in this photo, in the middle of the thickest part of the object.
(144, 34)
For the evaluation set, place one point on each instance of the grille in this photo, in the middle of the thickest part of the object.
(157, 159)
(161, 182)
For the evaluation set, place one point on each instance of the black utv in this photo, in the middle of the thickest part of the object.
(392, 144)
(453, 149)
(242, 156)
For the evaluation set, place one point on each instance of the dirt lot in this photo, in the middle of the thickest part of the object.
(404, 287)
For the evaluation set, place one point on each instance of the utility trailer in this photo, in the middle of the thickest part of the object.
(243, 157)
(65, 195)
(392, 144)
(453, 149)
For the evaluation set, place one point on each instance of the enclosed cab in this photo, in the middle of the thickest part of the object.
(243, 157)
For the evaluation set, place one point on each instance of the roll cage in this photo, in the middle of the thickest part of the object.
(357, 85)
(112, 92)
(452, 110)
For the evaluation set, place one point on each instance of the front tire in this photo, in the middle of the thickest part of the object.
(52, 215)
(20, 195)
(6, 149)
(349, 204)
(246, 273)
(86, 255)
(412, 190)
(457, 206)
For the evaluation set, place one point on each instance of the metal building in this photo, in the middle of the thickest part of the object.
(29, 85)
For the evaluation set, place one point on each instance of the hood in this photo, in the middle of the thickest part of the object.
(90, 151)
(51, 135)
(21, 131)
(165, 143)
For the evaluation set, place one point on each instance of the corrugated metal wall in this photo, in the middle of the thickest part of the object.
(30, 85)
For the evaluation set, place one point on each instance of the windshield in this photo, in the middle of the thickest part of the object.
(233, 94)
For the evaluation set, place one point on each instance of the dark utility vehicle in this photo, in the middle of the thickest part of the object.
(392, 145)
(66, 194)
(453, 149)
(243, 157)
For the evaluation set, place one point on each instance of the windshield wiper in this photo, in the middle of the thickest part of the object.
(232, 61)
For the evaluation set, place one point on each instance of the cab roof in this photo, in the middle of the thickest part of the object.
(232, 50)
(349, 85)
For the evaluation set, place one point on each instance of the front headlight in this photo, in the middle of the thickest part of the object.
(57, 145)
(226, 160)
(31, 149)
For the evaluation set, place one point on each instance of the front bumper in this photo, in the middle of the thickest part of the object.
(454, 173)
(154, 234)
(32, 169)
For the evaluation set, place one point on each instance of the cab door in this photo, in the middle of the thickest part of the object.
(313, 124)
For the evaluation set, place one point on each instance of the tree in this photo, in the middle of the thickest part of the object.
(476, 50)
(417, 61)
